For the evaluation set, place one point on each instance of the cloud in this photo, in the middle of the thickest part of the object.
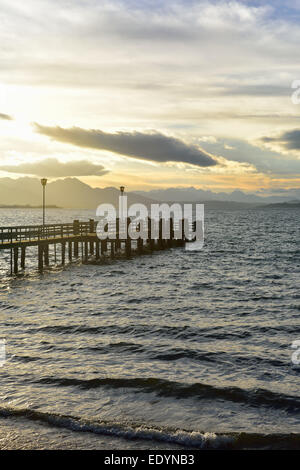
(51, 167)
(289, 140)
(257, 90)
(264, 160)
(145, 146)
(6, 117)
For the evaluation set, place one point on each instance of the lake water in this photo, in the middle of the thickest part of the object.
(171, 350)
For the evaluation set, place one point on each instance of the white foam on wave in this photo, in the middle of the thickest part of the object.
(194, 439)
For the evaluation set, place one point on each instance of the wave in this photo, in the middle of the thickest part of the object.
(180, 437)
(180, 332)
(256, 397)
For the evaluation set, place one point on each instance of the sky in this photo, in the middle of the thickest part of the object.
(152, 94)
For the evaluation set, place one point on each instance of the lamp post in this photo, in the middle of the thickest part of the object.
(44, 182)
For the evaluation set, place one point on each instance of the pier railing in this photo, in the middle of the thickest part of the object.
(39, 232)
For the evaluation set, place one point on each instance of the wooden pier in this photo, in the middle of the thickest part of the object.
(79, 240)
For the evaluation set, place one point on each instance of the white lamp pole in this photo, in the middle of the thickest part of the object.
(44, 182)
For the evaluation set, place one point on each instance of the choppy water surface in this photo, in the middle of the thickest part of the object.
(172, 349)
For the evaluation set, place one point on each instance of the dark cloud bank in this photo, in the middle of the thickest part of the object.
(146, 146)
(290, 140)
(51, 167)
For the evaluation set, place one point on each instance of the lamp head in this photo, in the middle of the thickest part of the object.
(44, 181)
(122, 189)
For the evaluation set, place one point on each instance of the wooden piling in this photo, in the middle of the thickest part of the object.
(16, 256)
(128, 241)
(112, 249)
(97, 249)
(160, 235)
(23, 254)
(40, 257)
(91, 248)
(46, 253)
(140, 245)
(118, 242)
(171, 238)
(63, 253)
(103, 246)
(150, 239)
(86, 251)
(76, 249)
(70, 251)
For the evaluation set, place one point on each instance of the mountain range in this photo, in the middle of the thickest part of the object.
(73, 193)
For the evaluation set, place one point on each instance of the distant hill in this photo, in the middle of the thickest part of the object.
(201, 195)
(283, 205)
(67, 193)
(74, 194)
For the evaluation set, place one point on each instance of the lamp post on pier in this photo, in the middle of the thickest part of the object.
(44, 182)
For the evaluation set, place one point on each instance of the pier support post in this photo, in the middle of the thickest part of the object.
(70, 251)
(91, 248)
(171, 239)
(97, 250)
(86, 251)
(128, 247)
(63, 253)
(76, 249)
(128, 241)
(46, 253)
(150, 239)
(112, 249)
(160, 235)
(16, 255)
(103, 246)
(118, 242)
(40, 257)
(140, 245)
(23, 254)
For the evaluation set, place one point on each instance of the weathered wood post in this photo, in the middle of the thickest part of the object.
(183, 228)
(76, 231)
(70, 251)
(140, 241)
(128, 240)
(103, 246)
(86, 251)
(150, 239)
(40, 257)
(63, 253)
(160, 234)
(46, 253)
(118, 240)
(16, 255)
(112, 249)
(92, 230)
(23, 254)
(97, 249)
(171, 239)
